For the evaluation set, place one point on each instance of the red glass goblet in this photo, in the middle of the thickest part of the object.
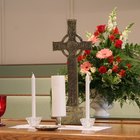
(2, 107)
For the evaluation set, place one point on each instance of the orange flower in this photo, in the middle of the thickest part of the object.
(104, 53)
(85, 67)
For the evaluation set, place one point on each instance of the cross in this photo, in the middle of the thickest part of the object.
(72, 48)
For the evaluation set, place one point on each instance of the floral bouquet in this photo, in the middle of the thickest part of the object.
(112, 63)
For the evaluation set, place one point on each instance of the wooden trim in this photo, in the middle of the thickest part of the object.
(115, 120)
(33, 64)
(118, 120)
(24, 76)
(23, 120)
(103, 121)
(22, 94)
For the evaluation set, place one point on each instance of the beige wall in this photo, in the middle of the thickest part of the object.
(28, 27)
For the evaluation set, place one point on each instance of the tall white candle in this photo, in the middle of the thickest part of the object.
(58, 96)
(87, 85)
(33, 96)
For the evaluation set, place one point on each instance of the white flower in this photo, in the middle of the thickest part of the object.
(124, 36)
(82, 72)
(112, 20)
(109, 71)
(115, 63)
(103, 79)
(93, 69)
(66, 77)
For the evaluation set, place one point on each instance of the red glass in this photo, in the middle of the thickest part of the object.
(2, 107)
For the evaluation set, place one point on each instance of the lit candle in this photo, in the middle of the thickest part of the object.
(87, 85)
(33, 97)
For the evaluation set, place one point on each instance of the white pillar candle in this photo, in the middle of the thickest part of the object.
(33, 97)
(87, 86)
(58, 96)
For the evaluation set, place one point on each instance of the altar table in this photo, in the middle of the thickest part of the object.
(118, 131)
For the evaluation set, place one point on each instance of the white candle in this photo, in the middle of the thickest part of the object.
(58, 96)
(33, 97)
(87, 85)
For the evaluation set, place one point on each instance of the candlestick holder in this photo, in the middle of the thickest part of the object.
(58, 121)
(33, 121)
(87, 122)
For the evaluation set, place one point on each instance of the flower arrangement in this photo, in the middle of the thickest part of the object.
(112, 64)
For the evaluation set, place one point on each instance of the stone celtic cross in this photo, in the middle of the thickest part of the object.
(71, 46)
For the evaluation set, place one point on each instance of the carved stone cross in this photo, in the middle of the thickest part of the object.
(71, 48)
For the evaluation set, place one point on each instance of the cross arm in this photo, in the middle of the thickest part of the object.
(59, 46)
(85, 45)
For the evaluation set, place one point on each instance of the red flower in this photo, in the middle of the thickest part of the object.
(87, 52)
(115, 68)
(128, 65)
(102, 69)
(118, 59)
(101, 28)
(80, 58)
(118, 43)
(111, 59)
(112, 37)
(116, 31)
(96, 33)
(122, 73)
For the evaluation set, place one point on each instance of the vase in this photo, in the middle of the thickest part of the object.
(100, 106)
(3, 99)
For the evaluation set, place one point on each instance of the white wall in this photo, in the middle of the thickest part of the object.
(28, 27)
